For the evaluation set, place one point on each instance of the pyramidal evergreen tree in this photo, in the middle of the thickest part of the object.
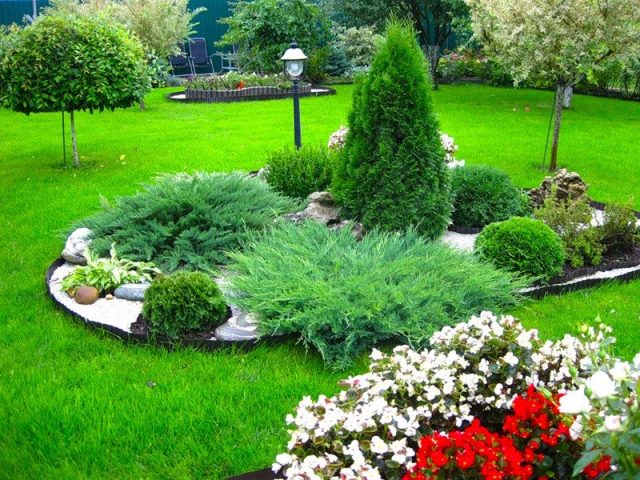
(392, 173)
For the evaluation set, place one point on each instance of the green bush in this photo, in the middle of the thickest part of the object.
(299, 173)
(236, 80)
(620, 232)
(524, 246)
(343, 297)
(187, 221)
(107, 274)
(263, 29)
(571, 219)
(315, 71)
(482, 195)
(392, 171)
(183, 302)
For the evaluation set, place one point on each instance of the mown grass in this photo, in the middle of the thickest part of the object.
(76, 404)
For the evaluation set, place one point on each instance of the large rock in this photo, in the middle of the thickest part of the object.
(87, 295)
(76, 245)
(570, 186)
(357, 229)
(240, 327)
(134, 292)
(322, 208)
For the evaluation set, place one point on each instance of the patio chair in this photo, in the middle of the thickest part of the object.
(229, 61)
(198, 55)
(181, 61)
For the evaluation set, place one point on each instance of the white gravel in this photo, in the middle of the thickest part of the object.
(605, 275)
(116, 313)
(460, 241)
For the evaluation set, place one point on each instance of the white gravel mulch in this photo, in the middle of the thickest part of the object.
(116, 313)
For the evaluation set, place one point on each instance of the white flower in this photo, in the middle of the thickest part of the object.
(620, 371)
(575, 431)
(378, 446)
(613, 423)
(510, 359)
(574, 403)
(601, 385)
(524, 340)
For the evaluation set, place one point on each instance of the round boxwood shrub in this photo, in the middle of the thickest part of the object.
(183, 302)
(299, 173)
(524, 246)
(482, 195)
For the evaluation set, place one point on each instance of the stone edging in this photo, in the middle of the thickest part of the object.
(128, 337)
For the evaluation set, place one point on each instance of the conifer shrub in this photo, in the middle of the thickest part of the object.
(183, 302)
(299, 173)
(344, 297)
(482, 195)
(524, 246)
(392, 171)
(187, 222)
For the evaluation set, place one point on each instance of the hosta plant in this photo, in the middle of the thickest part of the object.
(474, 370)
(107, 274)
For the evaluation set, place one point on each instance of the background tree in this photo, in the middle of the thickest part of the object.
(392, 173)
(559, 41)
(65, 63)
(434, 20)
(263, 29)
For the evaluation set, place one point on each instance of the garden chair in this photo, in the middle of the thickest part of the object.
(181, 61)
(229, 61)
(198, 55)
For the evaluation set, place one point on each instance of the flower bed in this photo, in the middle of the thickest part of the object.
(489, 400)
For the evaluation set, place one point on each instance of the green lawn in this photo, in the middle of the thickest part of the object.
(76, 404)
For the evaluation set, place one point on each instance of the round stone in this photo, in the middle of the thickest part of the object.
(87, 295)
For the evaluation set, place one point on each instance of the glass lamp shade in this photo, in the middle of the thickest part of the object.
(295, 67)
(293, 60)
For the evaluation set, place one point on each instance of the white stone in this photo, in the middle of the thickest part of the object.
(76, 245)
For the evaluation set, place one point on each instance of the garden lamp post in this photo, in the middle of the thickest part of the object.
(294, 59)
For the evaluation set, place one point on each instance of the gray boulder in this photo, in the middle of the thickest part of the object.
(240, 327)
(322, 208)
(357, 229)
(133, 292)
(76, 245)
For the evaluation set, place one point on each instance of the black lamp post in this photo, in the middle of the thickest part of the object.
(294, 59)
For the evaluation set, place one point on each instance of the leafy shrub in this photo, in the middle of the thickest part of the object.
(263, 29)
(315, 70)
(571, 219)
(337, 62)
(392, 171)
(524, 246)
(183, 302)
(107, 274)
(482, 195)
(299, 173)
(343, 297)
(187, 221)
(360, 45)
(620, 232)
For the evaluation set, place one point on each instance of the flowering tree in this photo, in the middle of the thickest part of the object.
(556, 41)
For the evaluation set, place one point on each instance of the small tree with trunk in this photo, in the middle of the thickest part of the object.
(392, 172)
(558, 41)
(65, 63)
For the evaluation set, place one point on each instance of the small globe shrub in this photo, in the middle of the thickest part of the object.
(482, 195)
(183, 302)
(524, 246)
(299, 173)
(620, 231)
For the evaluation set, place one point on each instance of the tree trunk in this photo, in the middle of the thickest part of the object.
(142, 105)
(74, 143)
(560, 91)
(567, 97)
(433, 55)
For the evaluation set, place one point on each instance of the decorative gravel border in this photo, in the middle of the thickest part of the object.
(129, 337)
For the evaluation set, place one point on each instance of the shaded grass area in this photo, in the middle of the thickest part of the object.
(75, 404)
